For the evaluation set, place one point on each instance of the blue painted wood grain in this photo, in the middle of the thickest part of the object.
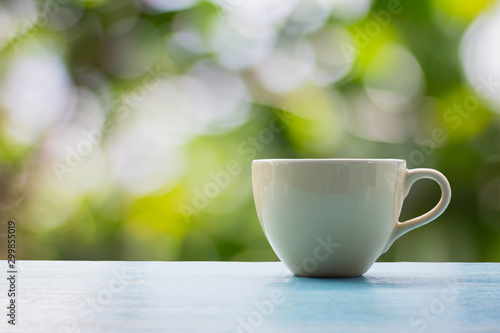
(84, 296)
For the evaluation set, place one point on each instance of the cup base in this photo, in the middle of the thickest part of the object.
(329, 276)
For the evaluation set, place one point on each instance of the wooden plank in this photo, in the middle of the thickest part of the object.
(85, 296)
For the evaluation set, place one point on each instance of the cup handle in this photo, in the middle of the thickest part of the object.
(411, 176)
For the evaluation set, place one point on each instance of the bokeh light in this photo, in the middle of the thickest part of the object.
(127, 128)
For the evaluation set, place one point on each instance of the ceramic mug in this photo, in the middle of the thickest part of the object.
(335, 217)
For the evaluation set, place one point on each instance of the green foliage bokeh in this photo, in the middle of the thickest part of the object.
(179, 100)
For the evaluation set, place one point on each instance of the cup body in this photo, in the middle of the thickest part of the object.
(328, 217)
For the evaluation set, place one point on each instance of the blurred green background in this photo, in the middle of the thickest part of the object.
(127, 128)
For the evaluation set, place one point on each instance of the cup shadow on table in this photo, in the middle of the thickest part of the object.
(364, 281)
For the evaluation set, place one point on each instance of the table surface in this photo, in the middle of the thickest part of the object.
(100, 296)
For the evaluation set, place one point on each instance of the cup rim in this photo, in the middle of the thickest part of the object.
(326, 160)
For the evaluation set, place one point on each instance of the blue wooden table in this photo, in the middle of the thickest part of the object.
(83, 296)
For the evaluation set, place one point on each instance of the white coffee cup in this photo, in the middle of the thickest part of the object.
(335, 217)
